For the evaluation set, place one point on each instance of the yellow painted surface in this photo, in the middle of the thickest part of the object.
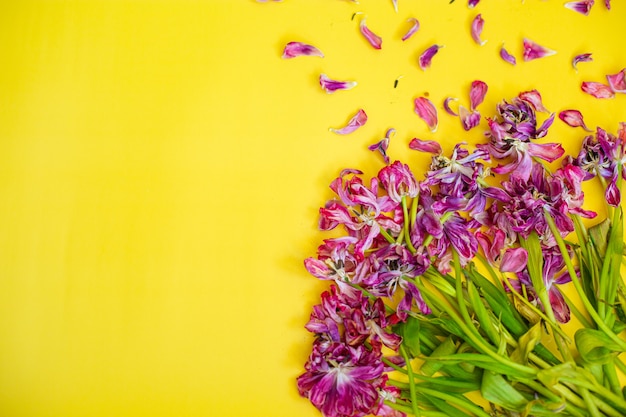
(161, 168)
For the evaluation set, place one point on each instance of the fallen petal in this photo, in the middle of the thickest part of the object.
(429, 146)
(469, 119)
(383, 145)
(534, 98)
(582, 7)
(427, 56)
(505, 55)
(330, 86)
(357, 121)
(477, 29)
(598, 90)
(573, 118)
(446, 106)
(414, 28)
(581, 58)
(607, 3)
(617, 82)
(478, 91)
(427, 111)
(395, 5)
(472, 3)
(294, 49)
(374, 40)
(533, 50)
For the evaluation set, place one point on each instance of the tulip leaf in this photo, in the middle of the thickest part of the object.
(595, 347)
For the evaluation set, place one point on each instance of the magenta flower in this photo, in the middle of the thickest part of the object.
(597, 90)
(533, 50)
(358, 120)
(582, 7)
(427, 111)
(505, 55)
(373, 39)
(427, 56)
(617, 82)
(581, 58)
(478, 90)
(415, 25)
(295, 49)
(573, 118)
(398, 180)
(477, 29)
(330, 86)
(383, 145)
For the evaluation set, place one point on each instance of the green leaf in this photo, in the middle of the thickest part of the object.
(550, 377)
(484, 317)
(526, 344)
(599, 235)
(595, 347)
(447, 347)
(496, 389)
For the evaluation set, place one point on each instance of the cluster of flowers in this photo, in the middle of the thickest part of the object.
(404, 236)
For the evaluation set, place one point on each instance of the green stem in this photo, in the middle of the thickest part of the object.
(579, 315)
(459, 401)
(610, 373)
(407, 232)
(409, 371)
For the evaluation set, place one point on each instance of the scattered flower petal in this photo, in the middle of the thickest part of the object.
(477, 29)
(582, 7)
(427, 111)
(427, 56)
(617, 82)
(505, 55)
(598, 90)
(469, 119)
(374, 40)
(446, 106)
(395, 5)
(477, 93)
(429, 146)
(573, 118)
(330, 86)
(607, 3)
(294, 49)
(383, 145)
(581, 58)
(414, 28)
(357, 121)
(533, 50)
(534, 98)
(472, 3)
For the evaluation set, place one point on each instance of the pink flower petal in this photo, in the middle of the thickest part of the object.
(472, 3)
(330, 86)
(617, 82)
(598, 90)
(357, 121)
(505, 55)
(469, 120)
(429, 146)
(533, 50)
(374, 40)
(427, 111)
(427, 56)
(607, 4)
(581, 58)
(477, 93)
(514, 260)
(582, 7)
(573, 118)
(414, 28)
(294, 49)
(477, 29)
(447, 108)
(534, 98)
(383, 145)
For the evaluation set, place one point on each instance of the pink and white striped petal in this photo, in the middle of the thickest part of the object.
(478, 90)
(477, 29)
(358, 120)
(506, 56)
(330, 85)
(383, 145)
(429, 146)
(598, 90)
(469, 119)
(373, 39)
(534, 98)
(581, 58)
(617, 82)
(415, 25)
(533, 50)
(582, 7)
(295, 49)
(427, 56)
(573, 118)
(427, 111)
(447, 108)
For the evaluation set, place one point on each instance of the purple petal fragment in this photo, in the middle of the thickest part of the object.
(505, 55)
(472, 3)
(357, 121)
(477, 29)
(414, 28)
(581, 58)
(478, 91)
(582, 7)
(607, 4)
(427, 111)
(447, 108)
(373, 39)
(617, 82)
(598, 90)
(573, 118)
(533, 50)
(295, 49)
(427, 56)
(330, 86)
(383, 145)
(534, 98)
(469, 119)
(429, 146)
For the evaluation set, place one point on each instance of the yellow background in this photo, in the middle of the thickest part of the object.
(161, 168)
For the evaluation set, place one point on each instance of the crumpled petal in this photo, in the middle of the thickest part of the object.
(607, 4)
(581, 58)
(427, 56)
(598, 90)
(514, 260)
(582, 7)
(373, 39)
(427, 111)
(573, 118)
(478, 90)
(429, 146)
(330, 86)
(294, 49)
(447, 108)
(383, 145)
(617, 82)
(357, 121)
(472, 3)
(477, 29)
(505, 55)
(533, 50)
(414, 28)
(534, 98)
(469, 119)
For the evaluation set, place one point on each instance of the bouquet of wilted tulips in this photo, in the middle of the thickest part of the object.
(447, 295)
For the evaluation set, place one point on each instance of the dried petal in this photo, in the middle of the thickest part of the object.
(505, 55)
(477, 93)
(383, 145)
(427, 56)
(607, 4)
(446, 106)
(330, 86)
(469, 119)
(581, 58)
(514, 260)
(477, 29)
(573, 118)
(533, 50)
(414, 28)
(427, 111)
(582, 7)
(395, 5)
(598, 90)
(294, 49)
(617, 82)
(357, 121)
(374, 40)
(429, 146)
(534, 98)
(472, 3)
